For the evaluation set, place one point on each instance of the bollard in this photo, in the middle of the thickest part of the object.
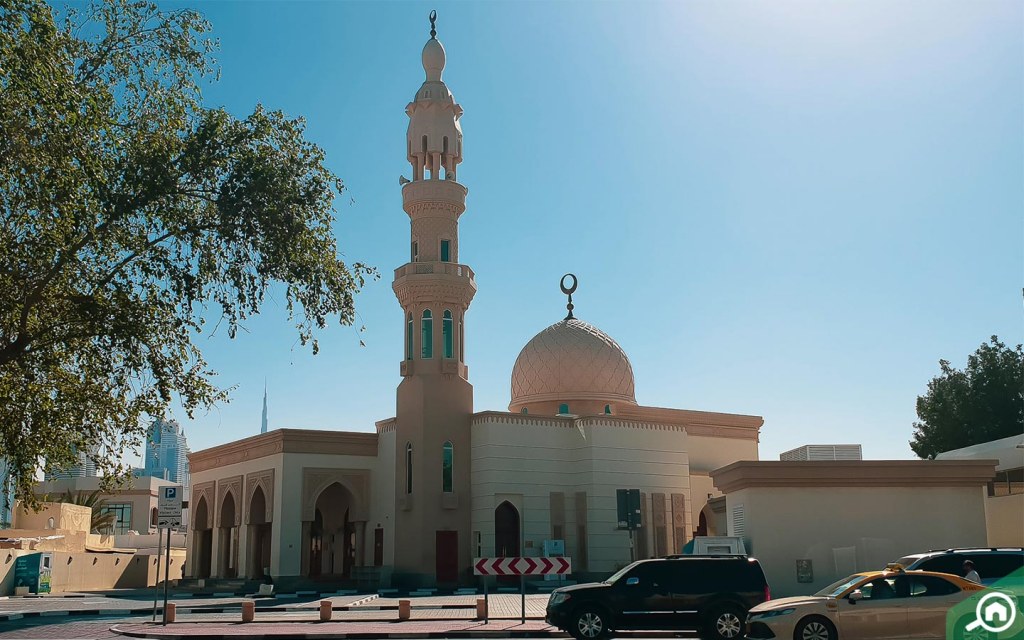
(481, 609)
(171, 611)
(325, 611)
(404, 610)
(248, 611)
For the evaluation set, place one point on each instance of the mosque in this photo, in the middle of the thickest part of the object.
(440, 483)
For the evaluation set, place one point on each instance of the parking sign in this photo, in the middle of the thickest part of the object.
(169, 507)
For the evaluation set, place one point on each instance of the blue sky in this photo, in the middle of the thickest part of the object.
(788, 209)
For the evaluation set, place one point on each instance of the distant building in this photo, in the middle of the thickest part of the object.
(166, 453)
(84, 468)
(823, 452)
(263, 426)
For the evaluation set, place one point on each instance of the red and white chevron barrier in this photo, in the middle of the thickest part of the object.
(518, 566)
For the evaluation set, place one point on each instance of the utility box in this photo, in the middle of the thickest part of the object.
(34, 571)
(716, 545)
(553, 549)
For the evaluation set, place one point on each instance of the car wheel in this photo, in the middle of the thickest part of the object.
(726, 622)
(815, 629)
(589, 623)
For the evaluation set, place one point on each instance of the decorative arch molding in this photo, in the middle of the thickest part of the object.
(265, 481)
(201, 491)
(356, 481)
(232, 485)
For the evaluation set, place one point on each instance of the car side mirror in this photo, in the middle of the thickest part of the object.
(631, 581)
(855, 596)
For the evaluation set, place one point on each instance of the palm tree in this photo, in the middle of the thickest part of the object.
(102, 520)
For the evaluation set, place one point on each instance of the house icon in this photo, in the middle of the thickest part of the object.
(996, 612)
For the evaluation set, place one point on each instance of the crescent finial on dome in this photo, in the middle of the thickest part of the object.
(568, 291)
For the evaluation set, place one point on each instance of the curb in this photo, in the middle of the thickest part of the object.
(358, 635)
(8, 617)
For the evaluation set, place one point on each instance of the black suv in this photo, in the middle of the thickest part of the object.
(991, 564)
(709, 593)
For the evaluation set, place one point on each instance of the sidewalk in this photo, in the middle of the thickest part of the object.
(411, 629)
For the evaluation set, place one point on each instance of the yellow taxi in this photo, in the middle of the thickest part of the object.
(867, 606)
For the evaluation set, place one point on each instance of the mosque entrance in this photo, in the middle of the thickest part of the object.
(506, 535)
(259, 538)
(332, 535)
(202, 547)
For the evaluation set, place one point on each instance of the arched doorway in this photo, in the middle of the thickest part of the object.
(506, 530)
(259, 538)
(202, 548)
(332, 538)
(228, 538)
(506, 535)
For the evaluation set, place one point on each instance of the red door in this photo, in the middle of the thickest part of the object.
(446, 547)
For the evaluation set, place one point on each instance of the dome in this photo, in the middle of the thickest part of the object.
(572, 361)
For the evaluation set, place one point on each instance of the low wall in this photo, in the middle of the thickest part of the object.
(1004, 516)
(88, 571)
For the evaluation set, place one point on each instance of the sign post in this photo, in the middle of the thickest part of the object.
(169, 516)
(520, 566)
(628, 508)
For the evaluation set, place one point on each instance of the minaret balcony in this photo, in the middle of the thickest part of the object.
(430, 194)
(434, 283)
(451, 269)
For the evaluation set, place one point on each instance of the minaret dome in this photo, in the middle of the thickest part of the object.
(433, 59)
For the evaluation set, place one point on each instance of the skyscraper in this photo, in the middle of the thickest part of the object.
(84, 468)
(263, 427)
(166, 452)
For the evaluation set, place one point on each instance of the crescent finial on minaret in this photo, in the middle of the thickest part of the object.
(433, 27)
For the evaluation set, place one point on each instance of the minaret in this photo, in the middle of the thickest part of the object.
(263, 427)
(434, 399)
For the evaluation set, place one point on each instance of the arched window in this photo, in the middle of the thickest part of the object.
(445, 144)
(427, 335)
(608, 409)
(424, 144)
(408, 339)
(462, 342)
(447, 466)
(446, 250)
(446, 330)
(524, 410)
(415, 251)
(408, 467)
(563, 408)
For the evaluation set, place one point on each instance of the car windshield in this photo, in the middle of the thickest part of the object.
(621, 572)
(833, 590)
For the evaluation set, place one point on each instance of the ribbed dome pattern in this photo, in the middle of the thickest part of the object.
(572, 360)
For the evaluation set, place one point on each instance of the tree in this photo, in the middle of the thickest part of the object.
(103, 521)
(983, 402)
(132, 218)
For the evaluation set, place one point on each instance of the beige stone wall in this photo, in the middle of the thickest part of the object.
(1005, 518)
(847, 529)
(87, 571)
(523, 459)
(69, 517)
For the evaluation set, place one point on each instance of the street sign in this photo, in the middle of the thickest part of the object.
(519, 566)
(628, 503)
(168, 507)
